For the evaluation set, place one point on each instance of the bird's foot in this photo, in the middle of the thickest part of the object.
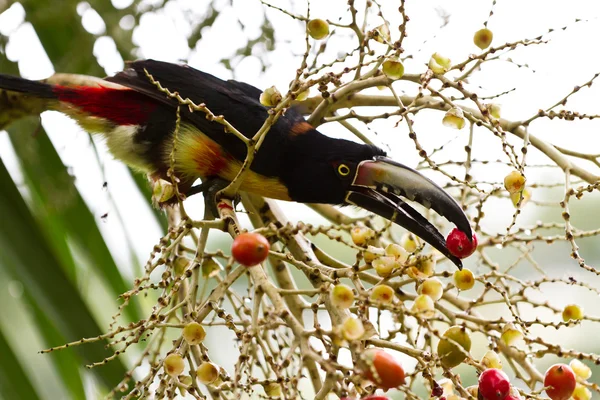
(210, 188)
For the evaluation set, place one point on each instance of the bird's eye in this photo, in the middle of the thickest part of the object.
(343, 170)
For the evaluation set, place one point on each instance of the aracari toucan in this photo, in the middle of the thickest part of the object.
(294, 163)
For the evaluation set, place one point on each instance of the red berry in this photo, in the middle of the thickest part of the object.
(383, 369)
(562, 379)
(250, 249)
(493, 384)
(459, 245)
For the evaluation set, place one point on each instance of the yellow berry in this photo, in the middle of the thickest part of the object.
(180, 264)
(207, 372)
(423, 306)
(393, 68)
(385, 265)
(381, 34)
(372, 253)
(185, 380)
(162, 191)
(273, 389)
(463, 279)
(302, 95)
(318, 28)
(383, 294)
(194, 333)
(483, 38)
(454, 118)
(514, 182)
(432, 287)
(397, 251)
(473, 390)
(494, 110)
(581, 393)
(270, 97)
(511, 334)
(491, 359)
(352, 328)
(361, 235)
(342, 296)
(409, 242)
(173, 364)
(582, 371)
(450, 354)
(572, 312)
(439, 64)
(515, 197)
(422, 267)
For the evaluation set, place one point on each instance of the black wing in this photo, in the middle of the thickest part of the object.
(238, 102)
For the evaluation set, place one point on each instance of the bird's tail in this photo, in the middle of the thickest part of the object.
(21, 97)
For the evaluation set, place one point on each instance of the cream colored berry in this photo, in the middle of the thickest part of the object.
(382, 294)
(432, 287)
(397, 251)
(207, 372)
(582, 371)
(423, 306)
(173, 364)
(511, 334)
(439, 64)
(342, 296)
(381, 34)
(372, 253)
(194, 333)
(270, 97)
(361, 235)
(454, 118)
(384, 266)
(352, 328)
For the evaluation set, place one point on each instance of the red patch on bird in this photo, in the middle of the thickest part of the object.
(121, 106)
(210, 159)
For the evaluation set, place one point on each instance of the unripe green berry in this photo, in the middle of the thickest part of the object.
(393, 68)
(491, 359)
(450, 354)
(582, 371)
(318, 28)
(439, 64)
(483, 38)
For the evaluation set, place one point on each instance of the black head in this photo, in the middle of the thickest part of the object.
(319, 169)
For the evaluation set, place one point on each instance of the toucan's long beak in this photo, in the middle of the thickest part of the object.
(380, 182)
